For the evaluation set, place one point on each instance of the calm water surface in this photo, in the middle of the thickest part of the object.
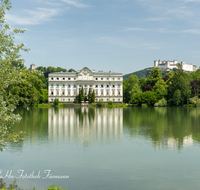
(109, 149)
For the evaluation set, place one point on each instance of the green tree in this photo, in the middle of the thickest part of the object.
(71, 70)
(160, 88)
(93, 96)
(148, 97)
(130, 87)
(155, 75)
(9, 75)
(179, 80)
(177, 99)
(56, 101)
(80, 97)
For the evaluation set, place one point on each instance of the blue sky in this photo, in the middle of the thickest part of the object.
(117, 35)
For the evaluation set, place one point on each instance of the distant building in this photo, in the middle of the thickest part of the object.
(108, 86)
(169, 65)
(32, 67)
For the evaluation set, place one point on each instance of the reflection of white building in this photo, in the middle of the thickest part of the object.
(174, 143)
(169, 65)
(108, 86)
(85, 124)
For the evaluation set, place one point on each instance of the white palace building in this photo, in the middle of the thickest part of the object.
(108, 86)
(169, 65)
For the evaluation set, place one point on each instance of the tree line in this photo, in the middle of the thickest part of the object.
(174, 89)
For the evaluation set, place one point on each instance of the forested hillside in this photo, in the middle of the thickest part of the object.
(140, 74)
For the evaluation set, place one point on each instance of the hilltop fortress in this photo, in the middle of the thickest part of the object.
(169, 65)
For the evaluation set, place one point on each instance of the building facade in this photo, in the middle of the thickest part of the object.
(108, 86)
(169, 65)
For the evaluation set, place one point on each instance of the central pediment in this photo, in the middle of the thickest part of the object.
(86, 71)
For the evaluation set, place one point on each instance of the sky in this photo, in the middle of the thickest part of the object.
(110, 35)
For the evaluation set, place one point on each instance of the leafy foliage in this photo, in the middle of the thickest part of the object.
(131, 86)
(9, 75)
(177, 98)
(160, 88)
(148, 97)
(161, 103)
(56, 101)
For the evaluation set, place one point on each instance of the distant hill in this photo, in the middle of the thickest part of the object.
(140, 74)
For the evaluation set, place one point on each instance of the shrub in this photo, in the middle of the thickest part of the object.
(110, 103)
(100, 103)
(56, 101)
(161, 103)
(148, 97)
(144, 106)
(194, 100)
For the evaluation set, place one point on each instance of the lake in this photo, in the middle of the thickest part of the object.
(105, 148)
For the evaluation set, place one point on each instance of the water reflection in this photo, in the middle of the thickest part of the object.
(85, 125)
(165, 127)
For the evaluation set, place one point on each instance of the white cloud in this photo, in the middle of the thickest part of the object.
(135, 29)
(158, 30)
(32, 17)
(192, 31)
(159, 19)
(76, 4)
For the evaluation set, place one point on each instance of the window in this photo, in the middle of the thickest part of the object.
(68, 78)
(68, 85)
(113, 86)
(107, 92)
(113, 92)
(102, 92)
(118, 100)
(96, 86)
(68, 100)
(51, 85)
(107, 78)
(74, 86)
(107, 86)
(85, 85)
(107, 100)
(74, 78)
(101, 78)
(118, 78)
(96, 92)
(80, 85)
(119, 92)
(63, 93)
(68, 92)
(113, 100)
(63, 78)
(63, 100)
(52, 93)
(57, 85)
(113, 78)
(74, 92)
(57, 92)
(63, 85)
(52, 100)
(96, 78)
(102, 100)
(51, 78)
(57, 78)
(102, 86)
(91, 85)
